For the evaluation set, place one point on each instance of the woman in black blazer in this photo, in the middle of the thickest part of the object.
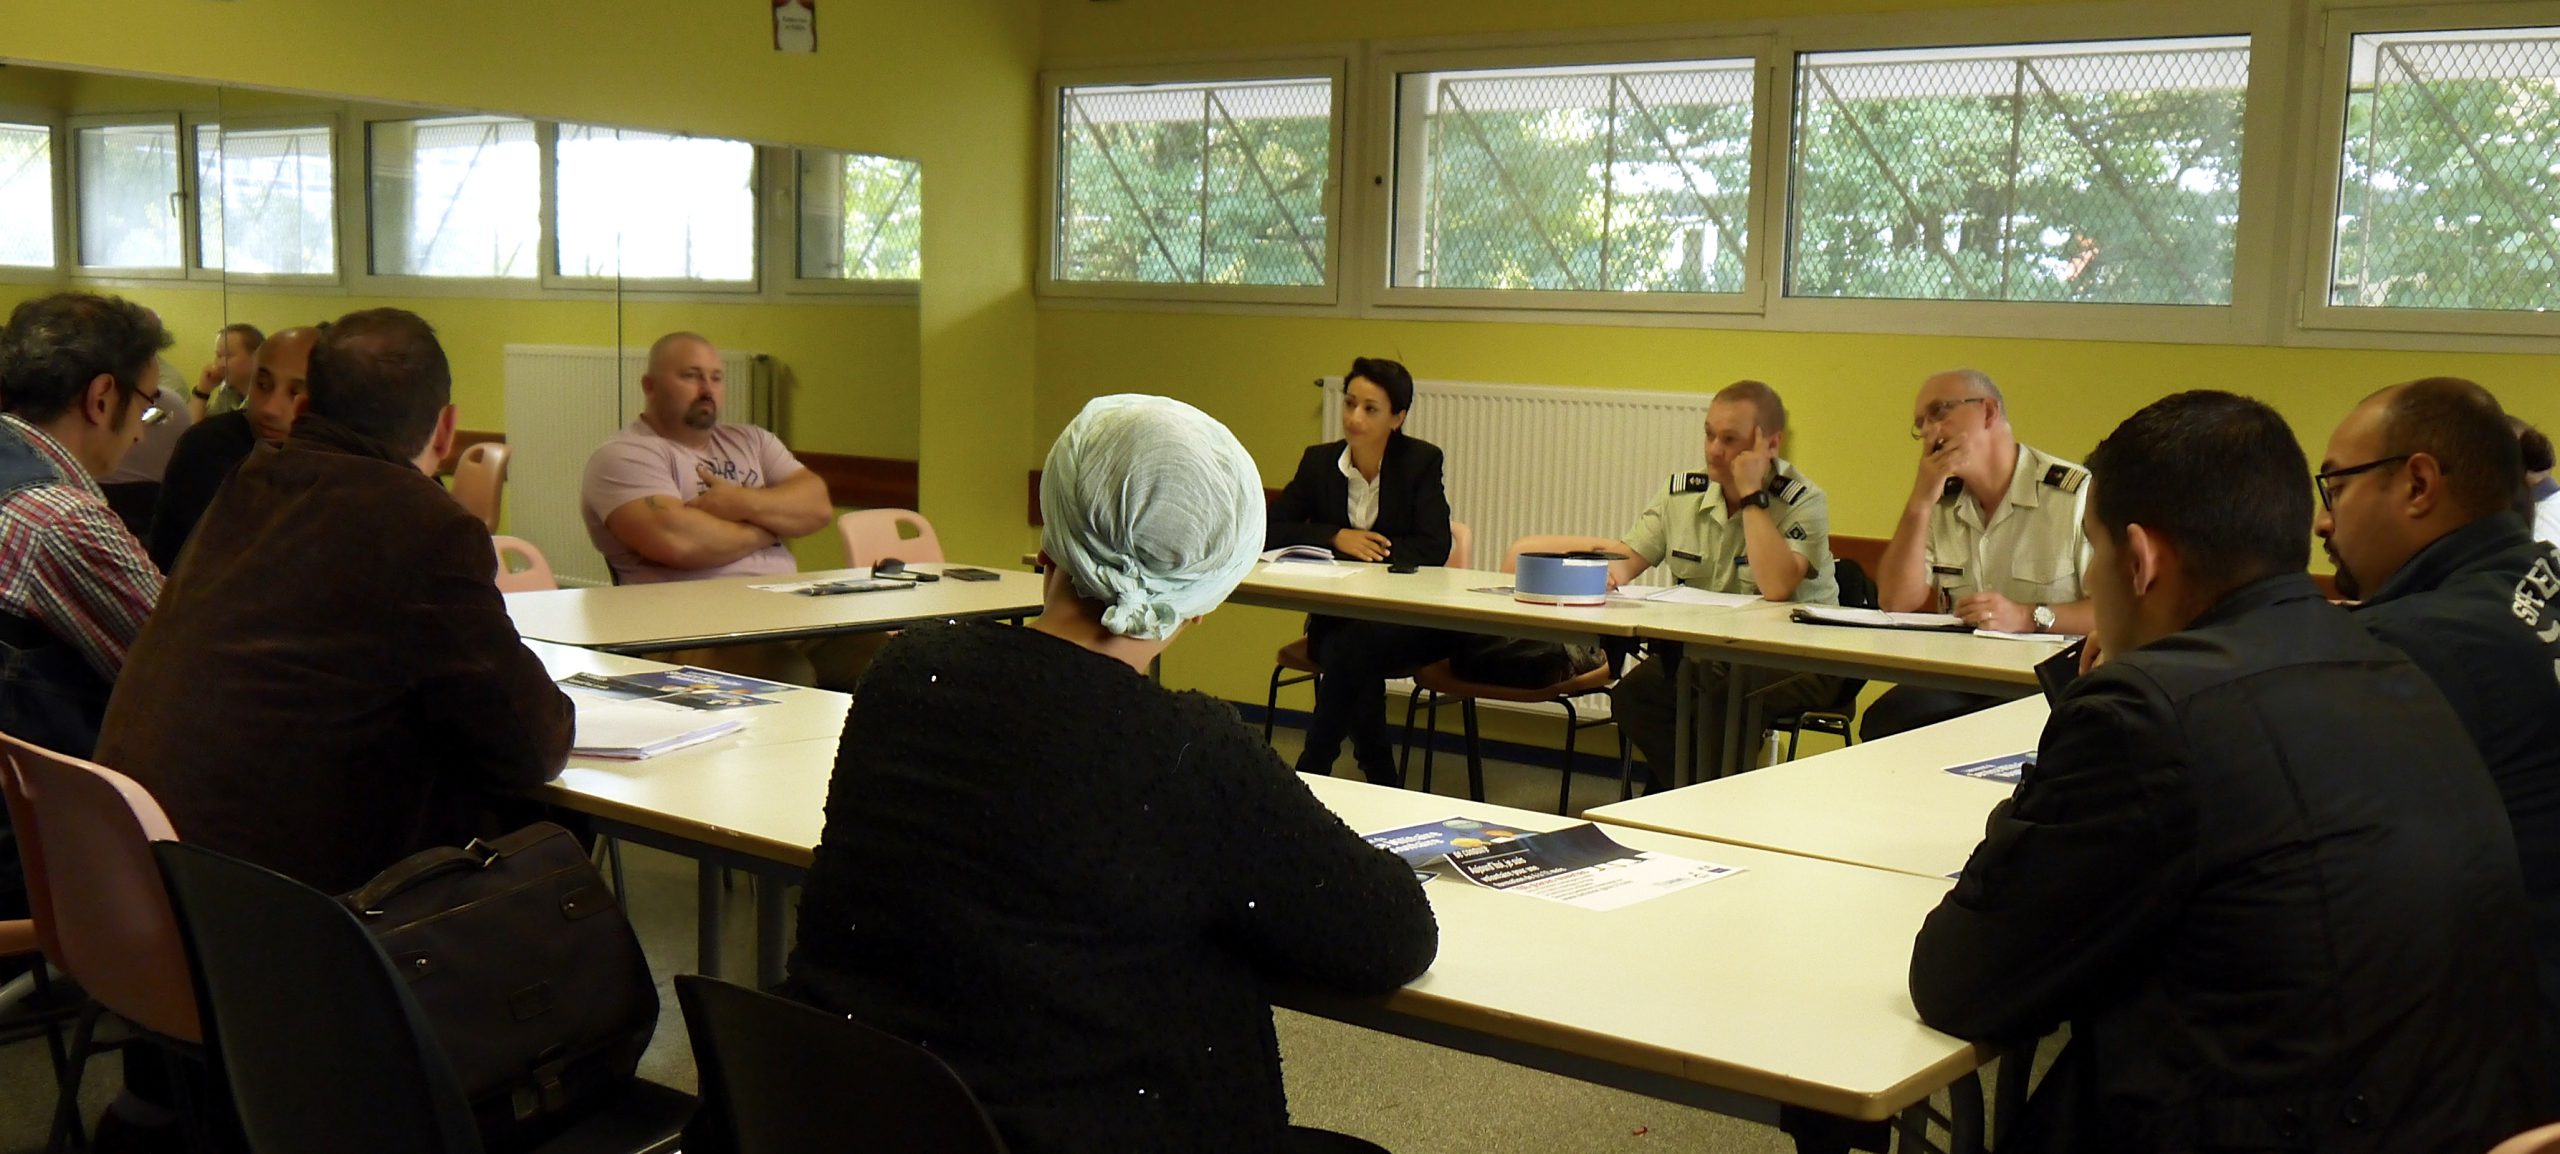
(1404, 521)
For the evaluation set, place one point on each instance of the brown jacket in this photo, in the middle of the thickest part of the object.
(334, 684)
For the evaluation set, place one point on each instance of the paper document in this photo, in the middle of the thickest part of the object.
(1878, 619)
(1997, 635)
(1422, 844)
(1684, 595)
(1312, 554)
(839, 585)
(1578, 866)
(1325, 570)
(632, 730)
(686, 686)
(2004, 769)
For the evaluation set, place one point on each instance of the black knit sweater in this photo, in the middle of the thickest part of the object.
(1072, 885)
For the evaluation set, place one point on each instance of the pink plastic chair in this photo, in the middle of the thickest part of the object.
(101, 913)
(2539, 1140)
(521, 567)
(480, 480)
(872, 534)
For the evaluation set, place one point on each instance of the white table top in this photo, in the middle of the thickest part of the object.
(1887, 804)
(1436, 596)
(761, 791)
(1786, 981)
(1764, 634)
(726, 611)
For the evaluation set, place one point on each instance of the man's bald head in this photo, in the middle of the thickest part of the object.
(685, 386)
(281, 389)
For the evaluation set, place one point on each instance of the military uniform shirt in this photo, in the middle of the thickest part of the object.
(1688, 530)
(2032, 551)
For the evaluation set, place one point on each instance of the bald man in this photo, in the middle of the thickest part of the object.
(213, 450)
(679, 495)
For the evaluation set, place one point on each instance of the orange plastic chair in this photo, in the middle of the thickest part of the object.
(872, 534)
(521, 567)
(2539, 1140)
(1296, 658)
(101, 912)
(480, 481)
(1443, 687)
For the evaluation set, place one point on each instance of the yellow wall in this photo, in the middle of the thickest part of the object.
(949, 83)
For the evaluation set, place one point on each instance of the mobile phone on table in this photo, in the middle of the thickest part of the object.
(966, 574)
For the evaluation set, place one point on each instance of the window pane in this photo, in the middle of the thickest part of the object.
(267, 200)
(455, 196)
(1633, 178)
(1220, 184)
(861, 217)
(129, 193)
(2105, 173)
(26, 195)
(2449, 190)
(646, 206)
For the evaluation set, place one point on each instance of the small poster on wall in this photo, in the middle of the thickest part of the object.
(795, 25)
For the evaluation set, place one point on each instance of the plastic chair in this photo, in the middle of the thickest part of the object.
(101, 914)
(1297, 658)
(1443, 686)
(2539, 1140)
(480, 480)
(872, 534)
(785, 1078)
(521, 567)
(1857, 591)
(321, 1043)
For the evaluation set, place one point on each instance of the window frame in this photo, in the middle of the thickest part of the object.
(1334, 69)
(1388, 166)
(59, 218)
(2315, 315)
(334, 125)
(782, 230)
(75, 262)
(356, 200)
(547, 135)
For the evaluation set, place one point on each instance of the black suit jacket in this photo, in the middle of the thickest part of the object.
(1413, 509)
(2261, 871)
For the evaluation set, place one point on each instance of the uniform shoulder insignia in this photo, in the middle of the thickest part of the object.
(1790, 489)
(2066, 478)
(1689, 482)
(1797, 533)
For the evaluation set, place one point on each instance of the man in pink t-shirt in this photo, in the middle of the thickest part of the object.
(679, 496)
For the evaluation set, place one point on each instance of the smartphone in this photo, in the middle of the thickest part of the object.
(1406, 567)
(1953, 486)
(2056, 673)
(966, 574)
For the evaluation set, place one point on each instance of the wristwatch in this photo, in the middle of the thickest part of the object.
(2043, 617)
(201, 394)
(1758, 500)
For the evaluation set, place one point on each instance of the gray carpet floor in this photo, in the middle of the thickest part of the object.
(1411, 1097)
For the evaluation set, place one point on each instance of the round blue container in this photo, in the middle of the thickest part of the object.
(1562, 579)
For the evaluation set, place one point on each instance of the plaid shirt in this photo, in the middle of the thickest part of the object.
(67, 561)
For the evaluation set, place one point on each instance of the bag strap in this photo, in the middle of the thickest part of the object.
(428, 864)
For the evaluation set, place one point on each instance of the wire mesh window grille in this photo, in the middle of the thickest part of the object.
(130, 197)
(649, 206)
(1618, 178)
(266, 200)
(2449, 182)
(861, 217)
(1205, 184)
(2097, 172)
(26, 195)
(455, 196)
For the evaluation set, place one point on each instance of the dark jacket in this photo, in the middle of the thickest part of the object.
(1079, 908)
(353, 688)
(2260, 871)
(1413, 508)
(2474, 610)
(206, 457)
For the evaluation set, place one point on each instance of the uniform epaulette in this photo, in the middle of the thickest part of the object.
(1689, 482)
(1790, 489)
(2066, 478)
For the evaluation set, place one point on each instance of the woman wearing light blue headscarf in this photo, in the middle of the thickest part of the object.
(1072, 883)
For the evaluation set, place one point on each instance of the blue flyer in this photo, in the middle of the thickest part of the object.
(2004, 770)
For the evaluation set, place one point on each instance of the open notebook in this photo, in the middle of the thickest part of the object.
(632, 730)
(1878, 619)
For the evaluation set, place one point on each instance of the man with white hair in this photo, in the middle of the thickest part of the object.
(1071, 959)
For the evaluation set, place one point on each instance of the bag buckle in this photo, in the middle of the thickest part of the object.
(481, 851)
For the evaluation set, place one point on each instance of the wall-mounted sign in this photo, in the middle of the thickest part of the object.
(795, 25)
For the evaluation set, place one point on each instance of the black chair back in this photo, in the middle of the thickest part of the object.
(788, 1078)
(1857, 590)
(320, 1042)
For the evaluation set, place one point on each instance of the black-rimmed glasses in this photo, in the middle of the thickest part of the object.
(2326, 482)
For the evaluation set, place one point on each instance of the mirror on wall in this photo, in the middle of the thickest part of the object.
(549, 256)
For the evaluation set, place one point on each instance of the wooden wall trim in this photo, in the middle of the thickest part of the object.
(860, 482)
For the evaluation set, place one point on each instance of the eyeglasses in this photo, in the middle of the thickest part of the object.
(2326, 482)
(152, 413)
(1939, 411)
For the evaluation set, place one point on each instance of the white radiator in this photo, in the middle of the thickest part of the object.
(562, 402)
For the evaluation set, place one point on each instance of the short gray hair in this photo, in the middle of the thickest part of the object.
(1978, 381)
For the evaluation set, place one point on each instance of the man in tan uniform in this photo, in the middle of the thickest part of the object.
(1991, 534)
(1750, 524)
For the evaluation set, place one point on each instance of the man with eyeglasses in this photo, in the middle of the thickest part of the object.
(1991, 534)
(2418, 493)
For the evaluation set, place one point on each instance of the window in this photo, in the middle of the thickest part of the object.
(267, 200)
(130, 196)
(1195, 184)
(2449, 174)
(648, 206)
(2100, 173)
(1629, 178)
(26, 195)
(455, 196)
(861, 217)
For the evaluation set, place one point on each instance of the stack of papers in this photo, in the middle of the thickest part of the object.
(1878, 619)
(1578, 866)
(633, 730)
(1316, 554)
(1684, 595)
